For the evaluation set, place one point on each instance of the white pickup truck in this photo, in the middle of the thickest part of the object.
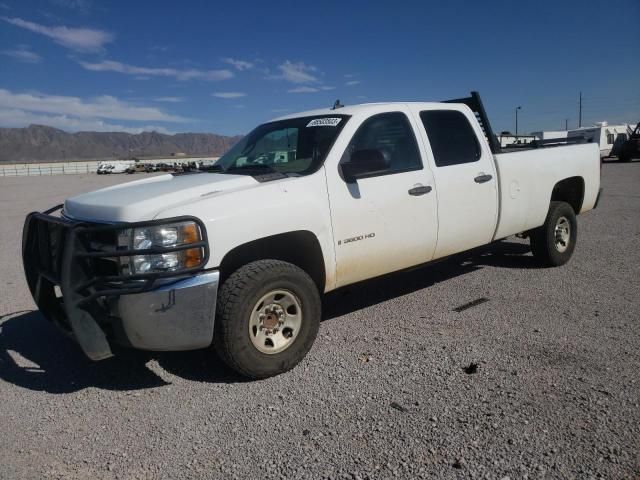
(239, 256)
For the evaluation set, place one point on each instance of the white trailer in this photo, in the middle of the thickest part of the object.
(608, 137)
(550, 134)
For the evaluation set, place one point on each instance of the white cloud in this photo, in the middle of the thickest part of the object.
(351, 83)
(82, 6)
(229, 94)
(188, 74)
(79, 39)
(169, 99)
(238, 64)
(307, 89)
(21, 118)
(298, 72)
(100, 107)
(22, 53)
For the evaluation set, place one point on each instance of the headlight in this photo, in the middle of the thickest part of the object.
(172, 237)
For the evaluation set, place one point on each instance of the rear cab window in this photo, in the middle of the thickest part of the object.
(452, 138)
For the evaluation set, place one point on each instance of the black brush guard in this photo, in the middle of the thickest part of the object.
(73, 256)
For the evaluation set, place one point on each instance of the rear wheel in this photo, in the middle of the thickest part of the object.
(553, 243)
(267, 318)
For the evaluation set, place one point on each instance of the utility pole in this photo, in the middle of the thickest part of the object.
(517, 108)
(566, 124)
(580, 112)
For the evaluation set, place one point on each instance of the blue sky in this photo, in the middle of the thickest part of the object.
(224, 67)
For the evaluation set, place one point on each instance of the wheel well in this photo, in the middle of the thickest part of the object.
(300, 248)
(570, 190)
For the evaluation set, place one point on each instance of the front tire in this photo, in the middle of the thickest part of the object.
(553, 243)
(267, 318)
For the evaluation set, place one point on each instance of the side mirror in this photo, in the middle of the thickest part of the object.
(364, 163)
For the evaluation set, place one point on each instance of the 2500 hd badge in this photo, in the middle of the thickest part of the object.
(355, 239)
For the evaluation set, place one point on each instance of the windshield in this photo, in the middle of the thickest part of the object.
(294, 146)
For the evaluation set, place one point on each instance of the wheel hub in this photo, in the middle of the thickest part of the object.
(562, 234)
(275, 321)
(271, 318)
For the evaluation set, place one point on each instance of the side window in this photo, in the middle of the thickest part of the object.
(386, 143)
(610, 137)
(452, 139)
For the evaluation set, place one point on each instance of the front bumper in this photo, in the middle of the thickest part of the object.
(178, 315)
(71, 278)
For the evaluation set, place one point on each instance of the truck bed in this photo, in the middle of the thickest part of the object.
(527, 179)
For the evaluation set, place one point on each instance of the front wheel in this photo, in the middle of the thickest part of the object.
(553, 243)
(267, 318)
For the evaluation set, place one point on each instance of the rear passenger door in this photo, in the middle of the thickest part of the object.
(465, 179)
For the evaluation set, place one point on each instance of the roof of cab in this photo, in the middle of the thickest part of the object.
(358, 109)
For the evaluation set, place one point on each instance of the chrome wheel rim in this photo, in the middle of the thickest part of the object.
(275, 321)
(562, 234)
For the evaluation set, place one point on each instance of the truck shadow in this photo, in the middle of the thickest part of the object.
(502, 254)
(36, 356)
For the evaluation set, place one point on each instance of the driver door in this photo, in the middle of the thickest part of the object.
(385, 219)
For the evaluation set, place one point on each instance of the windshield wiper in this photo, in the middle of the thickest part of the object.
(212, 168)
(258, 167)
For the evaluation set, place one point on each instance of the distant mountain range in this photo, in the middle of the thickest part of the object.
(37, 143)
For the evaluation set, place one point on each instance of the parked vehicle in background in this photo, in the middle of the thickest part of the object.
(510, 141)
(121, 166)
(115, 166)
(608, 137)
(240, 255)
(630, 148)
(103, 168)
(135, 168)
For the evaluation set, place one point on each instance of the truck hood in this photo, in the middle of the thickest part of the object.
(144, 199)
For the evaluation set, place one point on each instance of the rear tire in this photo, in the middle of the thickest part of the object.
(553, 243)
(267, 318)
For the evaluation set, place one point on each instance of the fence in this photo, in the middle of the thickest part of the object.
(37, 169)
(75, 168)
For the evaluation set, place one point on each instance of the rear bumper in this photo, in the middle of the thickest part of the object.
(76, 289)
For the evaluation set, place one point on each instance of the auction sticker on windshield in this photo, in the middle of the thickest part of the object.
(324, 122)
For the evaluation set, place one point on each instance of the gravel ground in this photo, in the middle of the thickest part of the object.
(386, 391)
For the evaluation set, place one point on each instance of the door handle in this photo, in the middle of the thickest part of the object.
(421, 190)
(483, 178)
